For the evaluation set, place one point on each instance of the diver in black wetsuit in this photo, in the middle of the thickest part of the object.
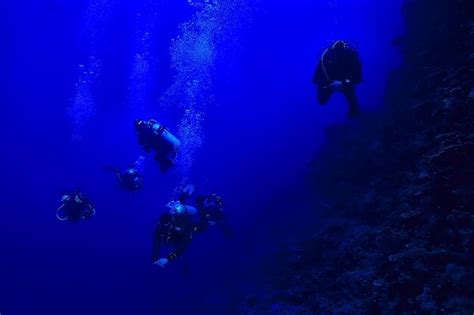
(211, 213)
(210, 209)
(154, 136)
(131, 178)
(75, 207)
(175, 231)
(177, 227)
(339, 70)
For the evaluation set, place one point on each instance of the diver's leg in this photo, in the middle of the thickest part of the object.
(324, 94)
(169, 160)
(161, 161)
(351, 96)
(165, 165)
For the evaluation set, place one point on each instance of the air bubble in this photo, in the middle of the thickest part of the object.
(193, 56)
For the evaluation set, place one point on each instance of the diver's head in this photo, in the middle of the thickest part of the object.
(213, 201)
(213, 208)
(176, 208)
(340, 45)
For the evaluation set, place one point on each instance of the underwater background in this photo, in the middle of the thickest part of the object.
(232, 78)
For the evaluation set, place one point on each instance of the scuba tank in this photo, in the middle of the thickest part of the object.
(166, 135)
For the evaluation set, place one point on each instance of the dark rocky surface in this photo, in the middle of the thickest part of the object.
(398, 186)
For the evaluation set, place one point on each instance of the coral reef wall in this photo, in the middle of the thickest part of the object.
(398, 189)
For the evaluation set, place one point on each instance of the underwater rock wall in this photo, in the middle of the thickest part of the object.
(398, 189)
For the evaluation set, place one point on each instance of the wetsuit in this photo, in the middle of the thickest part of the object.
(174, 231)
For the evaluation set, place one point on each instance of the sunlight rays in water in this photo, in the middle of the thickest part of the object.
(83, 107)
(194, 52)
(143, 60)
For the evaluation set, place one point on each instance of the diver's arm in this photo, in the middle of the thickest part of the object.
(164, 261)
(181, 247)
(179, 250)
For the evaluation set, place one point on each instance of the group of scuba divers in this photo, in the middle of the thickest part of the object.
(339, 70)
(180, 221)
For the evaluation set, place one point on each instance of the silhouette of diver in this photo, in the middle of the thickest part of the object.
(75, 207)
(339, 70)
(154, 136)
(176, 227)
(131, 178)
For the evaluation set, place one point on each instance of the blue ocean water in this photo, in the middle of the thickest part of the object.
(232, 78)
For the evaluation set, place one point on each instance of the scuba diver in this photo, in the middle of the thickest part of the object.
(130, 179)
(174, 230)
(154, 136)
(210, 208)
(339, 70)
(211, 213)
(75, 207)
(177, 226)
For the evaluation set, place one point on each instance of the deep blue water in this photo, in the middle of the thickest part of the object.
(234, 82)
